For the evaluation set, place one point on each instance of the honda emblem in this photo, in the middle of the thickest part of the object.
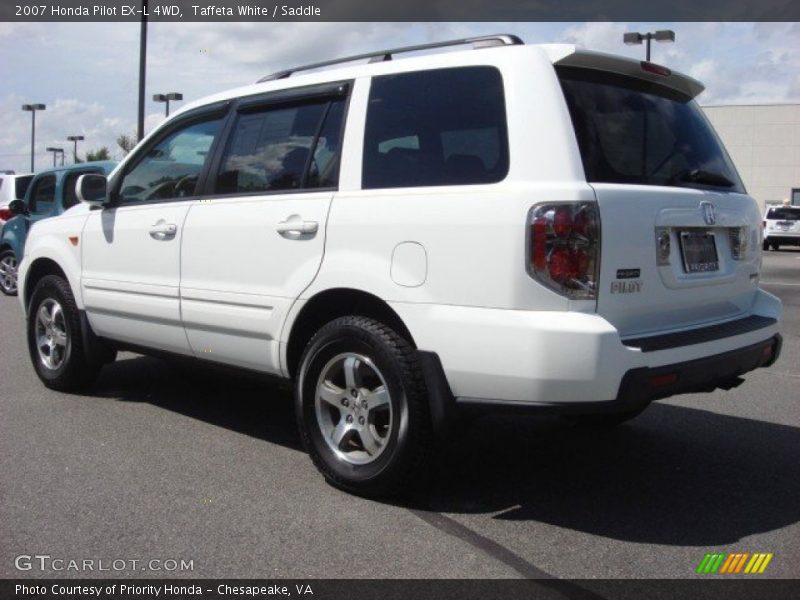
(708, 212)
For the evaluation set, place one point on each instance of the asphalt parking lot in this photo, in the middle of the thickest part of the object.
(161, 462)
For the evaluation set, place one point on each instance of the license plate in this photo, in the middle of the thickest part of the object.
(699, 252)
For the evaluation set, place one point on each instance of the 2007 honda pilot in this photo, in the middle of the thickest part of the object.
(507, 226)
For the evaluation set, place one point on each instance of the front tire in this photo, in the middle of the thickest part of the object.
(55, 343)
(8, 272)
(361, 407)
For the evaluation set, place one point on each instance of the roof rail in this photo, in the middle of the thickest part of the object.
(484, 41)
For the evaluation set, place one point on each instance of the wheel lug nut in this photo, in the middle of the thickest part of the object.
(345, 402)
(349, 418)
(354, 393)
(360, 420)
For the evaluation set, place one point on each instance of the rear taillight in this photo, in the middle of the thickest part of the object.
(5, 214)
(738, 237)
(563, 247)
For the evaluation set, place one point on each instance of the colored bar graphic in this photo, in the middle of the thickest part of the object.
(722, 563)
(703, 563)
(766, 562)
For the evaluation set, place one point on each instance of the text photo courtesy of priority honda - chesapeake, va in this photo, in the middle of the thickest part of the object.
(317, 300)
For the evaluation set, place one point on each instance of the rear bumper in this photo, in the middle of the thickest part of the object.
(638, 388)
(783, 238)
(570, 362)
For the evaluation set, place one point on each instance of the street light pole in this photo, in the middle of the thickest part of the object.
(75, 139)
(636, 38)
(32, 108)
(166, 98)
(55, 152)
(142, 67)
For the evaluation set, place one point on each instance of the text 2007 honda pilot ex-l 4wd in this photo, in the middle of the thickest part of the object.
(507, 226)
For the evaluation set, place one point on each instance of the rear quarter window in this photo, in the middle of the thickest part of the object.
(438, 127)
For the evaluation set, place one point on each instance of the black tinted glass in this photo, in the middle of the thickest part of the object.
(274, 149)
(439, 127)
(171, 168)
(784, 214)
(22, 184)
(635, 132)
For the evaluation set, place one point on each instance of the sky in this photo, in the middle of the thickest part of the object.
(87, 73)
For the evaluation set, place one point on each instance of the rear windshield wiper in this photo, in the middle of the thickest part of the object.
(702, 177)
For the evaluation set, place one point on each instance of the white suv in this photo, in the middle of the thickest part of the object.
(781, 227)
(507, 227)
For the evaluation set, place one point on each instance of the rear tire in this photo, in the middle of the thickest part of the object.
(774, 246)
(765, 245)
(361, 407)
(8, 272)
(55, 342)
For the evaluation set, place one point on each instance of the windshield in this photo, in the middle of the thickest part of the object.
(784, 214)
(633, 131)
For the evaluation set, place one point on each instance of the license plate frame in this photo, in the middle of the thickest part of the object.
(697, 249)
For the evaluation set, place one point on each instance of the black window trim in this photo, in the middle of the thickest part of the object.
(199, 115)
(288, 97)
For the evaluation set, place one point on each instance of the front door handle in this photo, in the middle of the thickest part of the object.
(295, 226)
(161, 230)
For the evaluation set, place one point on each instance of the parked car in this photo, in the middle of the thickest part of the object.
(50, 193)
(781, 226)
(411, 240)
(12, 187)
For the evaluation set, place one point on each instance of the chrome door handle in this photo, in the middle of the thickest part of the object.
(296, 226)
(162, 230)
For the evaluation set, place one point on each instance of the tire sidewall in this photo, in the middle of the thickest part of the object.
(48, 289)
(328, 344)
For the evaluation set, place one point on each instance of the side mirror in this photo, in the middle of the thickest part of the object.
(92, 189)
(17, 207)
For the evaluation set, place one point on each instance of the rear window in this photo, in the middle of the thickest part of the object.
(631, 131)
(784, 214)
(438, 127)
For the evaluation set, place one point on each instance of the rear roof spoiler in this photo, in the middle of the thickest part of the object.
(599, 61)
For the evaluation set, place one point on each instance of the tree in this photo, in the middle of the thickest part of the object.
(101, 154)
(126, 142)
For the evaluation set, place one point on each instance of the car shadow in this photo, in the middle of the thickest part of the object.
(245, 403)
(674, 476)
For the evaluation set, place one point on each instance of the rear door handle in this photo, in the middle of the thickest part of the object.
(295, 226)
(161, 230)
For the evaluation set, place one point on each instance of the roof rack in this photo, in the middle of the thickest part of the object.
(484, 41)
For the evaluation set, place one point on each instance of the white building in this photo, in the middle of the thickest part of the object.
(764, 143)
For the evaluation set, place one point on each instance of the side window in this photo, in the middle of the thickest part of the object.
(43, 195)
(283, 148)
(438, 127)
(170, 169)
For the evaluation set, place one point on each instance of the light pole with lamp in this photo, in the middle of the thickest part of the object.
(32, 108)
(635, 38)
(75, 139)
(55, 152)
(166, 98)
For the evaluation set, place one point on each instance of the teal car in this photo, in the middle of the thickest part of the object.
(50, 193)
